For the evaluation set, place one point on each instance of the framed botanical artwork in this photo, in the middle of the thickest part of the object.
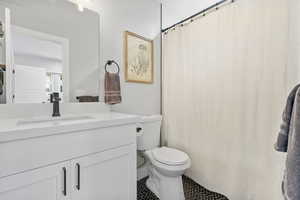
(138, 58)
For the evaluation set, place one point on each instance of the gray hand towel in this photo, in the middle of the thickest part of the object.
(282, 141)
(1, 88)
(289, 141)
(1, 81)
(112, 88)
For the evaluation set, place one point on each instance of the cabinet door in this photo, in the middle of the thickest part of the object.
(110, 175)
(48, 183)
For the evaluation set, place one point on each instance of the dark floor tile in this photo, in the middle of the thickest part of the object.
(143, 192)
(192, 191)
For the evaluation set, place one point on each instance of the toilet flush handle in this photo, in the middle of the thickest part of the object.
(139, 131)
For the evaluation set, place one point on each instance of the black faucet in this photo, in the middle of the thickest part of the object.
(54, 98)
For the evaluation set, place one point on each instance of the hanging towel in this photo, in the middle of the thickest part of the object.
(112, 88)
(282, 141)
(1, 88)
(289, 141)
(1, 82)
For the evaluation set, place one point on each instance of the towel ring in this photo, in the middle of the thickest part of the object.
(109, 63)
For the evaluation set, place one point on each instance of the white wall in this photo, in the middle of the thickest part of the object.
(30, 60)
(26, 43)
(293, 69)
(36, 52)
(176, 10)
(143, 18)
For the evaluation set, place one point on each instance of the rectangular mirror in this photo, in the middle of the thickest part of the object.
(48, 46)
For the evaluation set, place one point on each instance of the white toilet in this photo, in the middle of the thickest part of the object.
(166, 165)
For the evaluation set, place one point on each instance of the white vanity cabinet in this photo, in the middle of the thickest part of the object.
(81, 165)
(46, 183)
(104, 176)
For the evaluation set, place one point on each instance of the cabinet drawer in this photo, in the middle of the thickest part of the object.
(28, 154)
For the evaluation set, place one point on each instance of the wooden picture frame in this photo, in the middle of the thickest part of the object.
(139, 58)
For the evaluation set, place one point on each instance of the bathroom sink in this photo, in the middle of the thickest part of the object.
(52, 120)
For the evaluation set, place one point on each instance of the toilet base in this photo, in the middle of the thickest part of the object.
(165, 188)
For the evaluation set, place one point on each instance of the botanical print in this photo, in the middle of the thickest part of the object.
(139, 59)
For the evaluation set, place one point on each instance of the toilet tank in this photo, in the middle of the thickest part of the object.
(149, 132)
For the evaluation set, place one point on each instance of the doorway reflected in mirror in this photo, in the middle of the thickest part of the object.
(39, 62)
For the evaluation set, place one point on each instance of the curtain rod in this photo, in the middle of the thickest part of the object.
(195, 15)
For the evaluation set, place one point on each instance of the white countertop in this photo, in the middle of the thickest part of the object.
(12, 129)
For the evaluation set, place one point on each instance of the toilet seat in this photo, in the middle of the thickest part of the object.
(169, 156)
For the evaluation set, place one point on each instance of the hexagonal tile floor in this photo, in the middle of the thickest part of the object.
(192, 191)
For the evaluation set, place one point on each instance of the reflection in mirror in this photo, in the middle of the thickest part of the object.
(49, 53)
(44, 68)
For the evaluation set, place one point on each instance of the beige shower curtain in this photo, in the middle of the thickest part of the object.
(224, 83)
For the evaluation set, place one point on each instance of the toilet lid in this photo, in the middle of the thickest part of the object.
(170, 156)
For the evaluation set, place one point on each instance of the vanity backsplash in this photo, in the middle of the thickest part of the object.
(37, 110)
